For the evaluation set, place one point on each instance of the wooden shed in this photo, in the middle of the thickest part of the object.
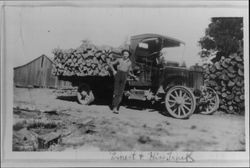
(38, 73)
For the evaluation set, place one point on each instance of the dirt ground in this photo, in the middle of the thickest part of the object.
(44, 120)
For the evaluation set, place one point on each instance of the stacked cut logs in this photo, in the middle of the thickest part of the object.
(226, 77)
(86, 60)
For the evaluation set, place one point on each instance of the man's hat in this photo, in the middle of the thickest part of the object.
(125, 50)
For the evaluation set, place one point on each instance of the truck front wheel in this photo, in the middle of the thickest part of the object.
(180, 102)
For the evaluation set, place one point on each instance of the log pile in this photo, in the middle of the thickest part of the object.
(86, 60)
(226, 77)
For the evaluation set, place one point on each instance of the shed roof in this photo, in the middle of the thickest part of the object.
(33, 61)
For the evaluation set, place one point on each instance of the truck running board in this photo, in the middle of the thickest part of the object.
(136, 94)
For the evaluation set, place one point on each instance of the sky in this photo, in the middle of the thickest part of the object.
(33, 31)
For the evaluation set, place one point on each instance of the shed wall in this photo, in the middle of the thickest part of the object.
(38, 73)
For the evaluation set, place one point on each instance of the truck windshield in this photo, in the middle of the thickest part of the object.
(173, 54)
(149, 49)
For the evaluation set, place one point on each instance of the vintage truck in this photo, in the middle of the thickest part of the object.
(178, 87)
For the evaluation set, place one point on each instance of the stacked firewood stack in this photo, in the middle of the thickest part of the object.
(226, 77)
(86, 60)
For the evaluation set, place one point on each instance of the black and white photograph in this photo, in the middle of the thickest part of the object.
(162, 82)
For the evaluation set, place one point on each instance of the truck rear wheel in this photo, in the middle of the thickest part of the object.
(180, 102)
(85, 95)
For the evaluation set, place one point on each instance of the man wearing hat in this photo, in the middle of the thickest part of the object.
(124, 67)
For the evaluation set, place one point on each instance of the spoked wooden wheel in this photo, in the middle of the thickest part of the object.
(209, 101)
(180, 102)
(85, 97)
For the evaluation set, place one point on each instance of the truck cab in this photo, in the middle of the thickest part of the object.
(147, 59)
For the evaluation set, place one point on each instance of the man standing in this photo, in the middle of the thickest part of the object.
(123, 69)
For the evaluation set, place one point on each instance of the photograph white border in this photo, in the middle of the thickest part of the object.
(79, 159)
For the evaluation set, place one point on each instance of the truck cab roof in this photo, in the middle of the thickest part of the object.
(166, 40)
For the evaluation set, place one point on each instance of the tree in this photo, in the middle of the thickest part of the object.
(223, 36)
